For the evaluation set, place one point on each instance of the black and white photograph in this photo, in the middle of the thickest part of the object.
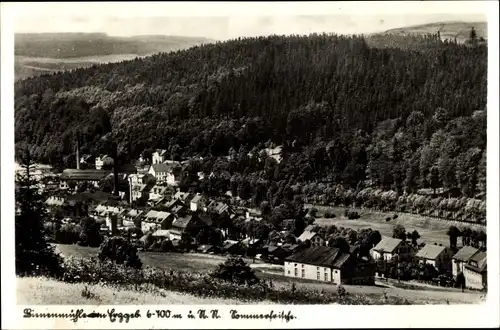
(324, 158)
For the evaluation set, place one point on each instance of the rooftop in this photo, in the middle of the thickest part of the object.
(430, 251)
(387, 244)
(306, 235)
(91, 175)
(322, 256)
(477, 262)
(465, 253)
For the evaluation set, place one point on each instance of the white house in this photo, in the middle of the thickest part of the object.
(155, 220)
(130, 216)
(326, 264)
(102, 160)
(159, 156)
(461, 258)
(437, 255)
(158, 192)
(197, 203)
(314, 238)
(475, 272)
(166, 173)
(390, 247)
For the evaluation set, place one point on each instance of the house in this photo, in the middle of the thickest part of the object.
(197, 203)
(103, 161)
(219, 208)
(131, 216)
(437, 255)
(55, 201)
(475, 273)
(461, 258)
(158, 192)
(182, 196)
(276, 253)
(251, 242)
(390, 247)
(154, 220)
(161, 233)
(206, 248)
(166, 173)
(189, 224)
(314, 238)
(91, 176)
(232, 247)
(159, 156)
(326, 264)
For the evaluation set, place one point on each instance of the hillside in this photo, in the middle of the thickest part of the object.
(38, 53)
(346, 110)
(448, 30)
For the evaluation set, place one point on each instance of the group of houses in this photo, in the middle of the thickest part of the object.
(323, 263)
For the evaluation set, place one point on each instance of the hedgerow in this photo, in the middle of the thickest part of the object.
(95, 271)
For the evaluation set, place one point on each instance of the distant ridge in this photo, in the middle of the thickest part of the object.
(447, 29)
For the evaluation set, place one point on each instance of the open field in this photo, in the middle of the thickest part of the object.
(43, 291)
(430, 230)
(26, 66)
(206, 263)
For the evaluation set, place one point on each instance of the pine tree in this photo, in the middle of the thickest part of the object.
(34, 255)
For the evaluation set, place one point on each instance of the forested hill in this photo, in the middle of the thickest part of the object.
(346, 110)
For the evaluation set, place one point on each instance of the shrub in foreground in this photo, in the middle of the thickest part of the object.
(236, 270)
(120, 251)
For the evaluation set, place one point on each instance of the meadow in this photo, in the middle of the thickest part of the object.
(200, 263)
(431, 230)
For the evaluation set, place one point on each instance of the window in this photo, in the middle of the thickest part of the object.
(336, 271)
(303, 273)
(326, 276)
(317, 276)
(296, 272)
(288, 272)
(302, 265)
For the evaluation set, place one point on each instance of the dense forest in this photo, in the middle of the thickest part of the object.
(387, 112)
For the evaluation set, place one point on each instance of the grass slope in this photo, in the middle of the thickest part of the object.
(206, 263)
(43, 291)
(448, 30)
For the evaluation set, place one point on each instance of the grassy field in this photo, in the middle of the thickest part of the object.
(43, 291)
(25, 66)
(206, 263)
(430, 230)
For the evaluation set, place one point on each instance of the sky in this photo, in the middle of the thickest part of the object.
(223, 21)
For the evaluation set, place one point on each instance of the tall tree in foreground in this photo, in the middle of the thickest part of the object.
(34, 255)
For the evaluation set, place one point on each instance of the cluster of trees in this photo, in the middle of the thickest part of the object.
(34, 254)
(345, 109)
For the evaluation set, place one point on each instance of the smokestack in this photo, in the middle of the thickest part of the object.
(77, 151)
(115, 169)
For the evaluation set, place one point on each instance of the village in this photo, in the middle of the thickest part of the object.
(147, 207)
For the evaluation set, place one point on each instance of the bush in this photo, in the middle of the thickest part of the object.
(351, 215)
(120, 251)
(329, 215)
(237, 271)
